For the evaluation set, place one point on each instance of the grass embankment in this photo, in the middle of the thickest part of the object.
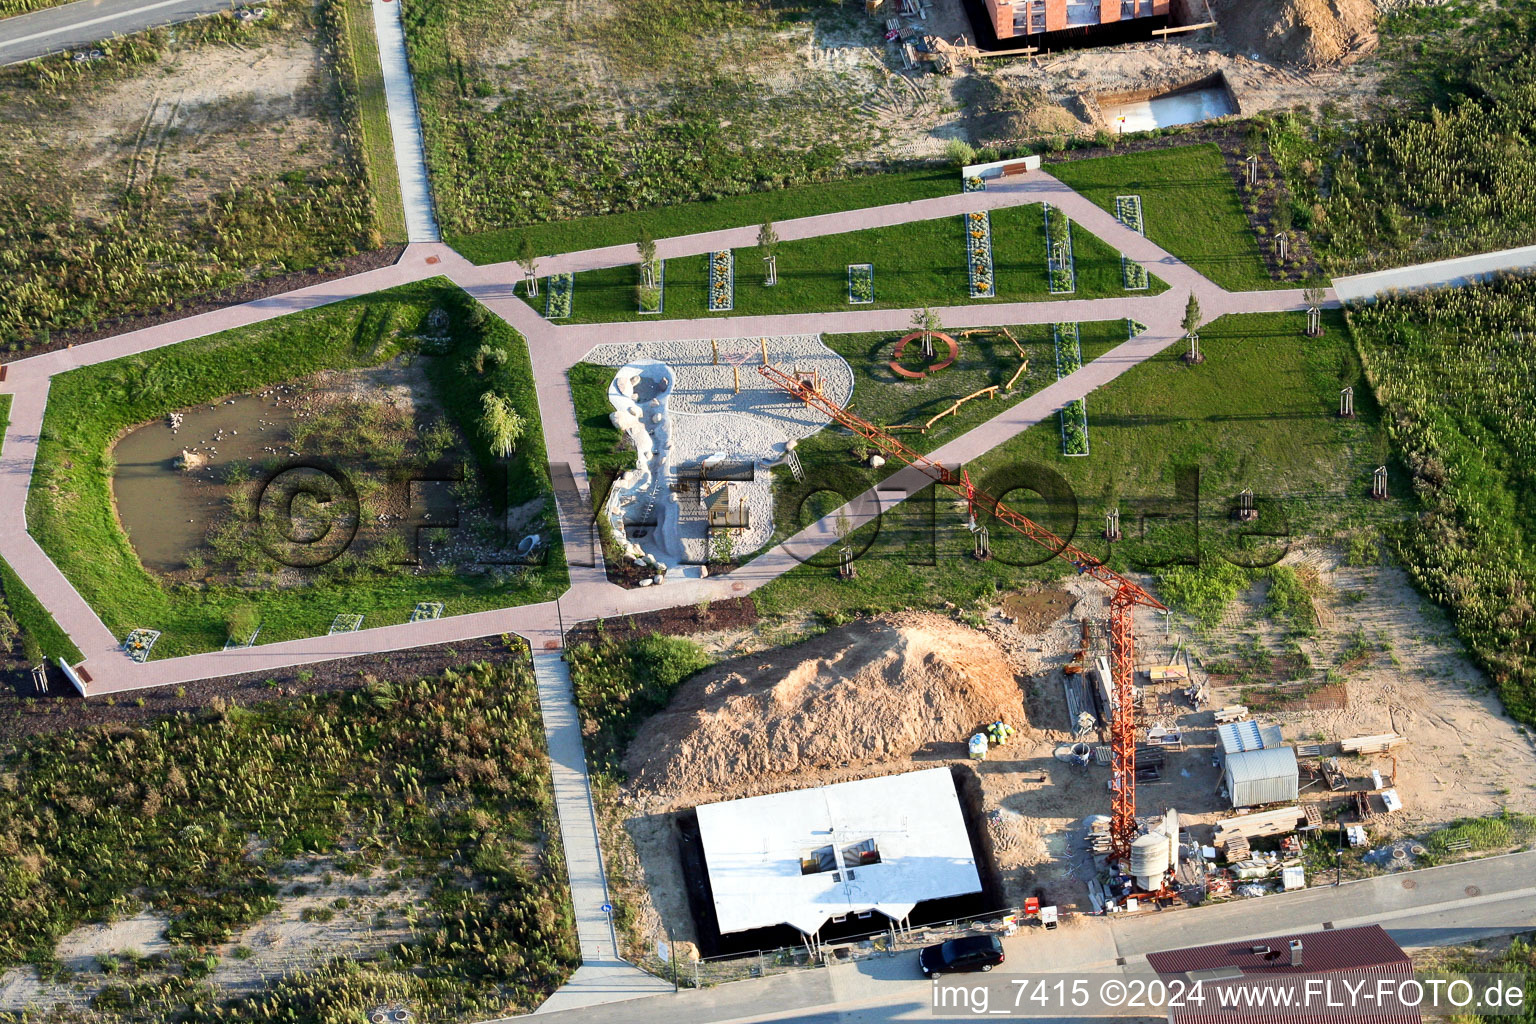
(435, 785)
(186, 186)
(1259, 413)
(1454, 368)
(361, 72)
(1189, 206)
(70, 509)
(921, 263)
(39, 635)
(728, 212)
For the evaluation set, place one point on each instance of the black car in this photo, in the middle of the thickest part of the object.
(973, 953)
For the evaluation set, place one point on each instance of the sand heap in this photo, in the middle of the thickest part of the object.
(1311, 33)
(870, 691)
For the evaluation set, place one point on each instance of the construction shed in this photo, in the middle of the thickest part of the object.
(1241, 737)
(1255, 777)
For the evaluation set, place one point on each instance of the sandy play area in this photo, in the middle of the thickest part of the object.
(698, 407)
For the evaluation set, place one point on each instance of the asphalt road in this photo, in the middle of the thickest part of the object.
(81, 24)
(1448, 905)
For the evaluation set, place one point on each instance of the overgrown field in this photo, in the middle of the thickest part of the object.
(1189, 206)
(1449, 171)
(437, 784)
(921, 263)
(560, 109)
(1259, 413)
(70, 507)
(185, 161)
(1455, 372)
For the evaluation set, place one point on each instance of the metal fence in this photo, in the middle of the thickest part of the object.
(763, 963)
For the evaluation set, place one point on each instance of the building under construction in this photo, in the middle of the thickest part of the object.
(1064, 24)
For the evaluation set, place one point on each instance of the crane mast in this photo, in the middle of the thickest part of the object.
(1125, 595)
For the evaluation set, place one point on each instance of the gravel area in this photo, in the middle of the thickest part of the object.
(708, 417)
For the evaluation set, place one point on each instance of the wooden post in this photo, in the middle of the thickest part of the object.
(1347, 403)
(736, 376)
(1112, 524)
(772, 271)
(1280, 240)
(714, 346)
(1379, 483)
(762, 344)
(1252, 167)
(1246, 513)
(1314, 321)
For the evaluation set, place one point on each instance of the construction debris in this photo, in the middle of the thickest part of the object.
(1371, 744)
(1262, 823)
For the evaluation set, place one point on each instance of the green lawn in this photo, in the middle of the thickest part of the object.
(70, 509)
(915, 264)
(729, 212)
(360, 71)
(1259, 413)
(1189, 205)
(41, 636)
(5, 417)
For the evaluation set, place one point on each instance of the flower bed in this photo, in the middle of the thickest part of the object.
(139, 643)
(1058, 229)
(861, 283)
(975, 183)
(1133, 328)
(650, 300)
(1128, 212)
(1133, 274)
(722, 281)
(978, 251)
(557, 296)
(1074, 415)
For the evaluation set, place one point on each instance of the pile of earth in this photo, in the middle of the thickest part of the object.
(875, 690)
(1002, 111)
(1311, 33)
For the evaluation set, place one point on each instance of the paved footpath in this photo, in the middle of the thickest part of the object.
(554, 349)
(405, 123)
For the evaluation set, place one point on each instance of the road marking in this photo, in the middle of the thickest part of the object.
(76, 26)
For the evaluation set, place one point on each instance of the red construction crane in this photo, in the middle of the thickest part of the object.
(1124, 597)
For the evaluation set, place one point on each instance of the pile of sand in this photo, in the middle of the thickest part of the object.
(871, 691)
(1311, 33)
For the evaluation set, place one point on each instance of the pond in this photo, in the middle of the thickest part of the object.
(165, 509)
(1187, 106)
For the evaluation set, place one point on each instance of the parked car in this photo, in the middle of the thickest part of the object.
(972, 953)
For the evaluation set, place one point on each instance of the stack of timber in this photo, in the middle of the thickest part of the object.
(1262, 823)
(1371, 744)
(1231, 713)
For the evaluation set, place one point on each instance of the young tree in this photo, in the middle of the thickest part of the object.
(927, 321)
(528, 259)
(767, 245)
(647, 247)
(500, 423)
(1191, 314)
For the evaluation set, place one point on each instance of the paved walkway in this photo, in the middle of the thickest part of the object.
(405, 123)
(1461, 271)
(604, 976)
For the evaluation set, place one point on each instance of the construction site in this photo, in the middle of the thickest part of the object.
(1100, 755)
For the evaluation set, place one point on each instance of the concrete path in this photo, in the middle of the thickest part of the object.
(405, 124)
(604, 976)
(76, 26)
(1462, 271)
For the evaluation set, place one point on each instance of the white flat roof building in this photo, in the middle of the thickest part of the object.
(804, 857)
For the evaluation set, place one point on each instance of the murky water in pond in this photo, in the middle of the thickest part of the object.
(167, 511)
(1162, 111)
